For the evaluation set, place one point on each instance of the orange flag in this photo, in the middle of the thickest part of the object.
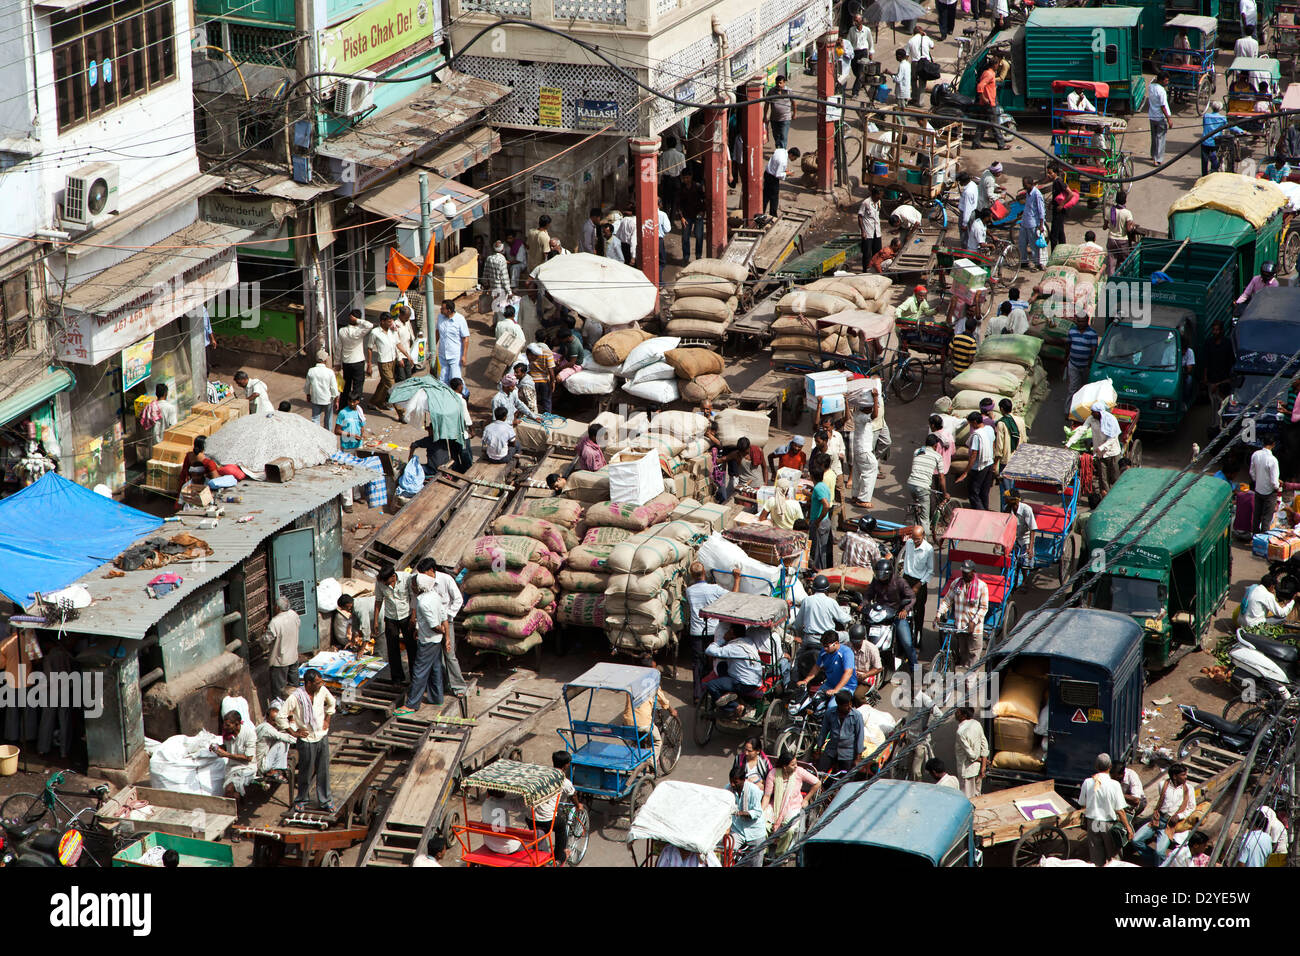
(428, 257)
(401, 270)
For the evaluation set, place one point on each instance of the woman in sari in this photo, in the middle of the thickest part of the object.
(784, 799)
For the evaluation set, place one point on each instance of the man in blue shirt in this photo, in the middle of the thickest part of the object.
(836, 662)
(348, 424)
(842, 736)
(1211, 123)
(1031, 221)
(818, 613)
(744, 677)
(453, 343)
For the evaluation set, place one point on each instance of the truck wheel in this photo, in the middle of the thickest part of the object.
(1069, 558)
(1135, 454)
(1290, 252)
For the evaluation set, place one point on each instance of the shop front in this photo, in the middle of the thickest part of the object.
(30, 436)
(132, 327)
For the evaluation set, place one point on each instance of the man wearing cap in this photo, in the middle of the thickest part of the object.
(789, 455)
(990, 188)
(496, 271)
(1105, 447)
(322, 391)
(916, 306)
(986, 412)
(817, 614)
(968, 597)
(508, 399)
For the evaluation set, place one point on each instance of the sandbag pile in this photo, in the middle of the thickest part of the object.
(1006, 366)
(705, 297)
(699, 373)
(644, 599)
(563, 434)
(510, 580)
(585, 577)
(798, 337)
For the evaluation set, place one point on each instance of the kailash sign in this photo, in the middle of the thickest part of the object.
(378, 33)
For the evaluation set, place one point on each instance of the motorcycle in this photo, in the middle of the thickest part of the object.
(28, 845)
(882, 622)
(1263, 670)
(1203, 729)
(947, 103)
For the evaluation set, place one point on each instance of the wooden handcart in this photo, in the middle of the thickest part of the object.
(910, 155)
(1004, 816)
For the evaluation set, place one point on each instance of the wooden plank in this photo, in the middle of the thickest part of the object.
(505, 724)
(170, 812)
(778, 241)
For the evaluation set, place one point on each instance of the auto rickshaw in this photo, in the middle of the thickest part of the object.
(684, 824)
(1075, 677)
(1175, 582)
(1254, 87)
(529, 783)
(889, 825)
(1190, 69)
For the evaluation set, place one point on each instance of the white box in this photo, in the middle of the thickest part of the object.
(831, 404)
(733, 423)
(825, 383)
(635, 477)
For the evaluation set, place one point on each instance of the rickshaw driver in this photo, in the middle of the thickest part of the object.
(818, 613)
(644, 716)
(1267, 277)
(744, 677)
(893, 591)
(968, 596)
(1026, 524)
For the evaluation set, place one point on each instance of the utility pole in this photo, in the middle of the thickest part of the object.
(426, 233)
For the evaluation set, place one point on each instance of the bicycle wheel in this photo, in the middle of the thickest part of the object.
(908, 379)
(579, 834)
(670, 747)
(704, 720)
(21, 809)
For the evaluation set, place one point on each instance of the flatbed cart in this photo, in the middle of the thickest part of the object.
(1034, 817)
(819, 261)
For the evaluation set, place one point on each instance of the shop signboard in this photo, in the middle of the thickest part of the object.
(550, 106)
(378, 34)
(596, 114)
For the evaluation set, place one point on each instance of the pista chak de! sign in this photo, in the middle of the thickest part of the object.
(380, 33)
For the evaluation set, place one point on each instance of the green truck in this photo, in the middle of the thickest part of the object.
(1244, 215)
(1176, 576)
(1151, 325)
(1099, 44)
(1156, 13)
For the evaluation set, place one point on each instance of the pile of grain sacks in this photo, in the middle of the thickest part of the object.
(1070, 285)
(699, 373)
(510, 582)
(705, 298)
(1006, 366)
(798, 337)
(676, 437)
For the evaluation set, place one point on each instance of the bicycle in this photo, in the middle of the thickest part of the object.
(31, 810)
(577, 820)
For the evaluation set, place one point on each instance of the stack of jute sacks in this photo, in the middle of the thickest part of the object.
(644, 604)
(675, 436)
(599, 374)
(563, 434)
(798, 337)
(699, 373)
(1005, 366)
(510, 580)
(705, 298)
(1069, 284)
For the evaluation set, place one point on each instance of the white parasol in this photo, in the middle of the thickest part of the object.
(598, 288)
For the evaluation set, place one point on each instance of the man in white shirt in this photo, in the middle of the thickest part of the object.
(499, 440)
(664, 227)
(1105, 447)
(239, 747)
(433, 852)
(1265, 481)
(382, 349)
(168, 414)
(453, 341)
(1174, 804)
(1026, 523)
(1158, 116)
(918, 569)
(744, 675)
(452, 601)
(967, 202)
(869, 225)
(1278, 821)
(1249, 16)
(700, 593)
(352, 343)
(777, 168)
(902, 78)
(282, 637)
(502, 811)
(979, 468)
(322, 391)
(919, 47)
(864, 50)
(972, 753)
(978, 232)
(1261, 605)
(307, 714)
(1103, 804)
(404, 326)
(1246, 45)
(938, 772)
(626, 231)
(430, 631)
(259, 400)
(393, 617)
(672, 162)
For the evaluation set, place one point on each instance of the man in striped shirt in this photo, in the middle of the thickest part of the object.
(962, 348)
(1083, 346)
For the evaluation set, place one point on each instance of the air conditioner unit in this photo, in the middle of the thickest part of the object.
(354, 96)
(90, 194)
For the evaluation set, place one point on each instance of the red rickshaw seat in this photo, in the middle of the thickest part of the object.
(997, 586)
(1049, 518)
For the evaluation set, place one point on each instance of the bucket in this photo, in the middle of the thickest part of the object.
(8, 760)
(879, 169)
(915, 177)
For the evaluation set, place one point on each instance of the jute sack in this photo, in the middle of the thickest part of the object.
(481, 582)
(555, 510)
(711, 287)
(691, 363)
(701, 307)
(611, 349)
(697, 329)
(586, 582)
(641, 585)
(521, 626)
(814, 304)
(606, 535)
(836, 286)
(581, 610)
(503, 551)
(705, 387)
(510, 603)
(716, 267)
(553, 536)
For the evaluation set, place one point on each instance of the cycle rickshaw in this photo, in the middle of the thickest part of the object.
(529, 783)
(684, 824)
(1054, 472)
(987, 538)
(1190, 70)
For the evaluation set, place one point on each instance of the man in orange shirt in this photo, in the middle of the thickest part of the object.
(790, 455)
(986, 98)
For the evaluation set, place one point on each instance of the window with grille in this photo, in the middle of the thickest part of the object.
(501, 8)
(598, 11)
(108, 53)
(13, 311)
(666, 6)
(269, 46)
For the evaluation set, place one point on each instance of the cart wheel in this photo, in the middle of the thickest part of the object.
(267, 852)
(1204, 90)
(1135, 454)
(579, 835)
(1040, 843)
(330, 858)
(670, 747)
(1069, 558)
(369, 807)
(773, 722)
(909, 378)
(1193, 743)
(1126, 167)
(704, 721)
(1009, 617)
(1290, 253)
(451, 820)
(640, 794)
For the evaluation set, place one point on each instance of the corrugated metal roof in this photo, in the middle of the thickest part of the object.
(121, 606)
(415, 125)
(182, 251)
(277, 186)
(400, 200)
(120, 227)
(463, 152)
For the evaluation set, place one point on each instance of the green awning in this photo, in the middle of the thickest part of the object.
(51, 382)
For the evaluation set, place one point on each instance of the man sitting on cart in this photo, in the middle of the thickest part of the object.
(744, 677)
(968, 597)
(915, 306)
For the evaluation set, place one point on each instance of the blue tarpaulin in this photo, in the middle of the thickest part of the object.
(54, 531)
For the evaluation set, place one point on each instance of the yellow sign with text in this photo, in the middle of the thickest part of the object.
(377, 34)
(550, 106)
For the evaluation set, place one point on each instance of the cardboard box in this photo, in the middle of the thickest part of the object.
(635, 477)
(831, 404)
(1281, 547)
(1260, 542)
(1013, 733)
(967, 275)
(171, 451)
(825, 383)
(163, 475)
(200, 496)
(735, 422)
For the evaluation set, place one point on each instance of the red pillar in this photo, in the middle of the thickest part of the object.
(825, 128)
(751, 130)
(646, 196)
(715, 182)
